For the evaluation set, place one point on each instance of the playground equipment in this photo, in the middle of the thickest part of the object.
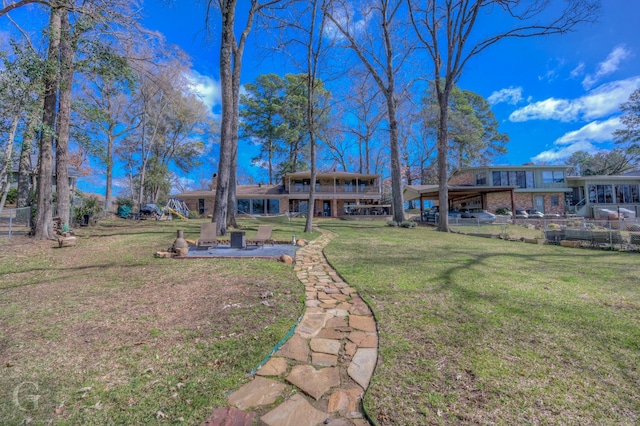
(177, 208)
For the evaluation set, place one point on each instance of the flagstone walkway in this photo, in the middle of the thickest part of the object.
(320, 374)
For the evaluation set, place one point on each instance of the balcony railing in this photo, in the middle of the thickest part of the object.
(338, 189)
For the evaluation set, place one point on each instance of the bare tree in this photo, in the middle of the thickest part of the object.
(382, 57)
(446, 30)
(231, 51)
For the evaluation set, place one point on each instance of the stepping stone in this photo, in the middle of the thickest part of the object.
(330, 333)
(312, 303)
(296, 348)
(357, 336)
(229, 416)
(362, 366)
(345, 400)
(324, 360)
(337, 322)
(327, 346)
(294, 412)
(314, 382)
(259, 391)
(369, 342)
(333, 291)
(359, 307)
(362, 323)
(338, 312)
(273, 367)
(340, 297)
(350, 349)
(312, 323)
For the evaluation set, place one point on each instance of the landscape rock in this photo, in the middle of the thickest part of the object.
(258, 392)
(286, 259)
(273, 367)
(362, 366)
(294, 412)
(229, 416)
(314, 382)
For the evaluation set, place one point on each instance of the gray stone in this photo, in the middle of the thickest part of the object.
(294, 412)
(259, 391)
(362, 366)
(314, 382)
(296, 348)
(327, 346)
(311, 324)
(324, 360)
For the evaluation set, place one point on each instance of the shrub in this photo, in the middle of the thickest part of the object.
(12, 195)
(122, 201)
(392, 223)
(503, 211)
(91, 206)
(408, 224)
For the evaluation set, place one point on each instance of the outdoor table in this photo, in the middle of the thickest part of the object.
(238, 240)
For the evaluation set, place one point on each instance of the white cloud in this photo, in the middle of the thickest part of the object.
(600, 102)
(206, 88)
(596, 132)
(511, 95)
(554, 155)
(583, 139)
(577, 71)
(608, 66)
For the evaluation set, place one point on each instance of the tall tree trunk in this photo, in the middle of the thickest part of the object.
(109, 172)
(5, 170)
(443, 145)
(64, 119)
(396, 173)
(220, 209)
(44, 222)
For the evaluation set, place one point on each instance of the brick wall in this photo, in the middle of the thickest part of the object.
(466, 178)
(525, 201)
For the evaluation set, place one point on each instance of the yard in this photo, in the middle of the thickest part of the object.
(472, 330)
(103, 333)
(484, 331)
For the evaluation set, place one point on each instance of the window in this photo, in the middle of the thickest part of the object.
(555, 176)
(600, 194)
(244, 206)
(520, 179)
(273, 206)
(257, 207)
(481, 179)
(555, 200)
(627, 194)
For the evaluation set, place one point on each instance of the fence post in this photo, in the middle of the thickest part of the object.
(10, 223)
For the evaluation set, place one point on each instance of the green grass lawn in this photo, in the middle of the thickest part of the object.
(104, 333)
(483, 331)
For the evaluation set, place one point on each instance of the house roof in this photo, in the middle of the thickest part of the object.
(431, 192)
(511, 167)
(625, 177)
(242, 191)
(349, 175)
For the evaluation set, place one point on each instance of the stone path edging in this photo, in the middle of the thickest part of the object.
(329, 360)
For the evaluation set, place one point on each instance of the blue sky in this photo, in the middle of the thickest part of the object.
(553, 95)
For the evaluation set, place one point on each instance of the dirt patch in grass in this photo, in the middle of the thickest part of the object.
(105, 333)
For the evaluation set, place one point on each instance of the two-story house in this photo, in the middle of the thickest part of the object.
(336, 193)
(544, 188)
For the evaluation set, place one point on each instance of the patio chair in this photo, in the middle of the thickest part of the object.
(263, 235)
(208, 236)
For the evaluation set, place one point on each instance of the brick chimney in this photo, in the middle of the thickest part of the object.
(214, 181)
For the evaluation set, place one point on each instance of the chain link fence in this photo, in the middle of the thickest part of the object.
(15, 222)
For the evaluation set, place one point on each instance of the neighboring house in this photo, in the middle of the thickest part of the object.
(596, 196)
(337, 193)
(545, 188)
(73, 173)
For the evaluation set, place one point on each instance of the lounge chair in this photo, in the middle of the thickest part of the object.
(208, 236)
(263, 235)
